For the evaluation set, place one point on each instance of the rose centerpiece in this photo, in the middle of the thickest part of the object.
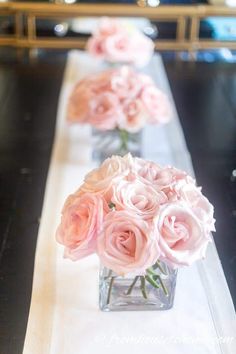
(117, 41)
(144, 221)
(118, 103)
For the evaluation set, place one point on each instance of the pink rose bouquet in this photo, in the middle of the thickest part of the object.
(119, 42)
(135, 214)
(118, 98)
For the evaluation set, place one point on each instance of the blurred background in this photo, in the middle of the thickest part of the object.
(197, 42)
(208, 26)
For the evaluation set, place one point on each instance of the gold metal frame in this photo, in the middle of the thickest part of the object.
(186, 40)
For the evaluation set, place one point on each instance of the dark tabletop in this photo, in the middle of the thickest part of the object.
(205, 99)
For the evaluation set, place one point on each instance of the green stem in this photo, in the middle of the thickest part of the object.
(132, 285)
(163, 285)
(160, 268)
(110, 289)
(150, 271)
(152, 277)
(108, 275)
(124, 137)
(152, 281)
(143, 287)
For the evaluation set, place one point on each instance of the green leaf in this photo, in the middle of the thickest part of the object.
(152, 281)
(159, 266)
(150, 271)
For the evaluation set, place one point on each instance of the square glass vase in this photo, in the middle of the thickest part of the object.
(153, 291)
(115, 142)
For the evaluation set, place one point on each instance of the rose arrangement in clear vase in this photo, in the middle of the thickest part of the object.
(144, 221)
(120, 42)
(117, 103)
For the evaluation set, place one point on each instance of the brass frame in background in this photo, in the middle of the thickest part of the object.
(186, 40)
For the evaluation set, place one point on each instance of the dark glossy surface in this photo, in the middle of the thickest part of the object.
(28, 100)
(205, 101)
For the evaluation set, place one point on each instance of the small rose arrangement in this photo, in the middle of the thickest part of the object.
(135, 214)
(118, 98)
(118, 42)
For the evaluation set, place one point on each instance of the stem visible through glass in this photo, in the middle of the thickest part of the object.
(143, 287)
(151, 277)
(132, 285)
(124, 138)
(110, 289)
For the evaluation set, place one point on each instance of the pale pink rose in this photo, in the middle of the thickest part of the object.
(81, 221)
(133, 212)
(110, 99)
(145, 80)
(116, 41)
(118, 48)
(85, 91)
(200, 205)
(172, 175)
(137, 197)
(135, 116)
(95, 47)
(127, 244)
(101, 179)
(163, 178)
(156, 104)
(183, 239)
(108, 26)
(71, 198)
(125, 82)
(77, 109)
(100, 83)
(149, 172)
(105, 112)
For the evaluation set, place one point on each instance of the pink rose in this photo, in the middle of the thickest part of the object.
(110, 99)
(81, 221)
(200, 205)
(95, 47)
(145, 80)
(118, 48)
(125, 83)
(77, 109)
(149, 172)
(156, 104)
(127, 243)
(163, 178)
(116, 41)
(111, 171)
(133, 212)
(105, 112)
(135, 116)
(108, 26)
(182, 237)
(100, 83)
(83, 93)
(137, 197)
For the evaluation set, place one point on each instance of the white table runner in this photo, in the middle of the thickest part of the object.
(64, 316)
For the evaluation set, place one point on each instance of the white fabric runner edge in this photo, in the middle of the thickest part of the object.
(202, 301)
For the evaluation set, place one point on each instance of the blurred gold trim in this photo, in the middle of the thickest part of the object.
(187, 19)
